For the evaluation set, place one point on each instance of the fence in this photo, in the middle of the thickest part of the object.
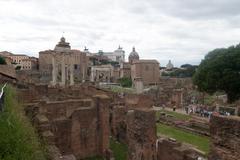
(2, 98)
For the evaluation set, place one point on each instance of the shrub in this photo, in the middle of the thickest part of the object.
(125, 82)
(2, 60)
(18, 140)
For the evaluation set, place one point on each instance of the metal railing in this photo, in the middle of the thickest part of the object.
(2, 98)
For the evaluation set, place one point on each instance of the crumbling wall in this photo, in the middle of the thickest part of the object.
(134, 101)
(169, 149)
(141, 135)
(84, 133)
(118, 123)
(171, 92)
(75, 125)
(32, 93)
(225, 138)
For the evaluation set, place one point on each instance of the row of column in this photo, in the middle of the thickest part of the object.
(63, 71)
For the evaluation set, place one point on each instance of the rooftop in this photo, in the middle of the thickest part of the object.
(146, 61)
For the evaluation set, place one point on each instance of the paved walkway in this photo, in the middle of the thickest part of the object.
(181, 111)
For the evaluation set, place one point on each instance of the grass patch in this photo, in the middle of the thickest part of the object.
(119, 89)
(200, 142)
(94, 158)
(18, 140)
(119, 150)
(177, 115)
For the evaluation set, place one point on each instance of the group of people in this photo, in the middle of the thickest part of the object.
(204, 111)
(200, 110)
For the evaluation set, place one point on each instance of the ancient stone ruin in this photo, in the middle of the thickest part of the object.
(78, 121)
(225, 138)
(141, 134)
(170, 149)
(77, 126)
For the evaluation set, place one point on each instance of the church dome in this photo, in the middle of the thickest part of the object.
(63, 40)
(62, 45)
(134, 54)
(169, 65)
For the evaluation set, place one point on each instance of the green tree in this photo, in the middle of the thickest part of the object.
(220, 71)
(186, 70)
(18, 68)
(2, 60)
(125, 82)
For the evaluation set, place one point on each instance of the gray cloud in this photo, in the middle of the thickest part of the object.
(181, 30)
(198, 9)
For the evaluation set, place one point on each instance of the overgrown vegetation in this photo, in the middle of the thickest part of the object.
(18, 68)
(18, 140)
(118, 89)
(119, 150)
(94, 158)
(186, 70)
(2, 60)
(125, 82)
(219, 71)
(200, 142)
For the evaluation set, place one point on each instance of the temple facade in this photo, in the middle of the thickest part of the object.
(147, 70)
(63, 66)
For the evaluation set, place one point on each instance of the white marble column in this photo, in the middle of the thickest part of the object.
(92, 74)
(71, 75)
(63, 71)
(54, 76)
(83, 79)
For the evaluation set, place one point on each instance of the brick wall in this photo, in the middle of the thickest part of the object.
(225, 138)
(171, 150)
(141, 135)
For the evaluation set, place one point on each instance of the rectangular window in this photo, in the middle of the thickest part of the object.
(75, 66)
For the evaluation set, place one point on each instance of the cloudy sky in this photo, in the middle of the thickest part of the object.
(180, 30)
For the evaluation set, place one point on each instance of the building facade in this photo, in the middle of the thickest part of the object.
(125, 67)
(133, 56)
(116, 56)
(23, 61)
(18, 58)
(147, 70)
(125, 70)
(102, 73)
(29, 64)
(63, 66)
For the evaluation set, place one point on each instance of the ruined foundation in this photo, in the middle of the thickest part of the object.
(225, 138)
(75, 124)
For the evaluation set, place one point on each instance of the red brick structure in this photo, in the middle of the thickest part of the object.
(7, 74)
(148, 70)
(225, 138)
(141, 135)
(169, 149)
(118, 123)
(74, 121)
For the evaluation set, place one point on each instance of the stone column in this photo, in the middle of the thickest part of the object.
(54, 76)
(92, 75)
(63, 71)
(138, 83)
(71, 75)
(83, 79)
(103, 130)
